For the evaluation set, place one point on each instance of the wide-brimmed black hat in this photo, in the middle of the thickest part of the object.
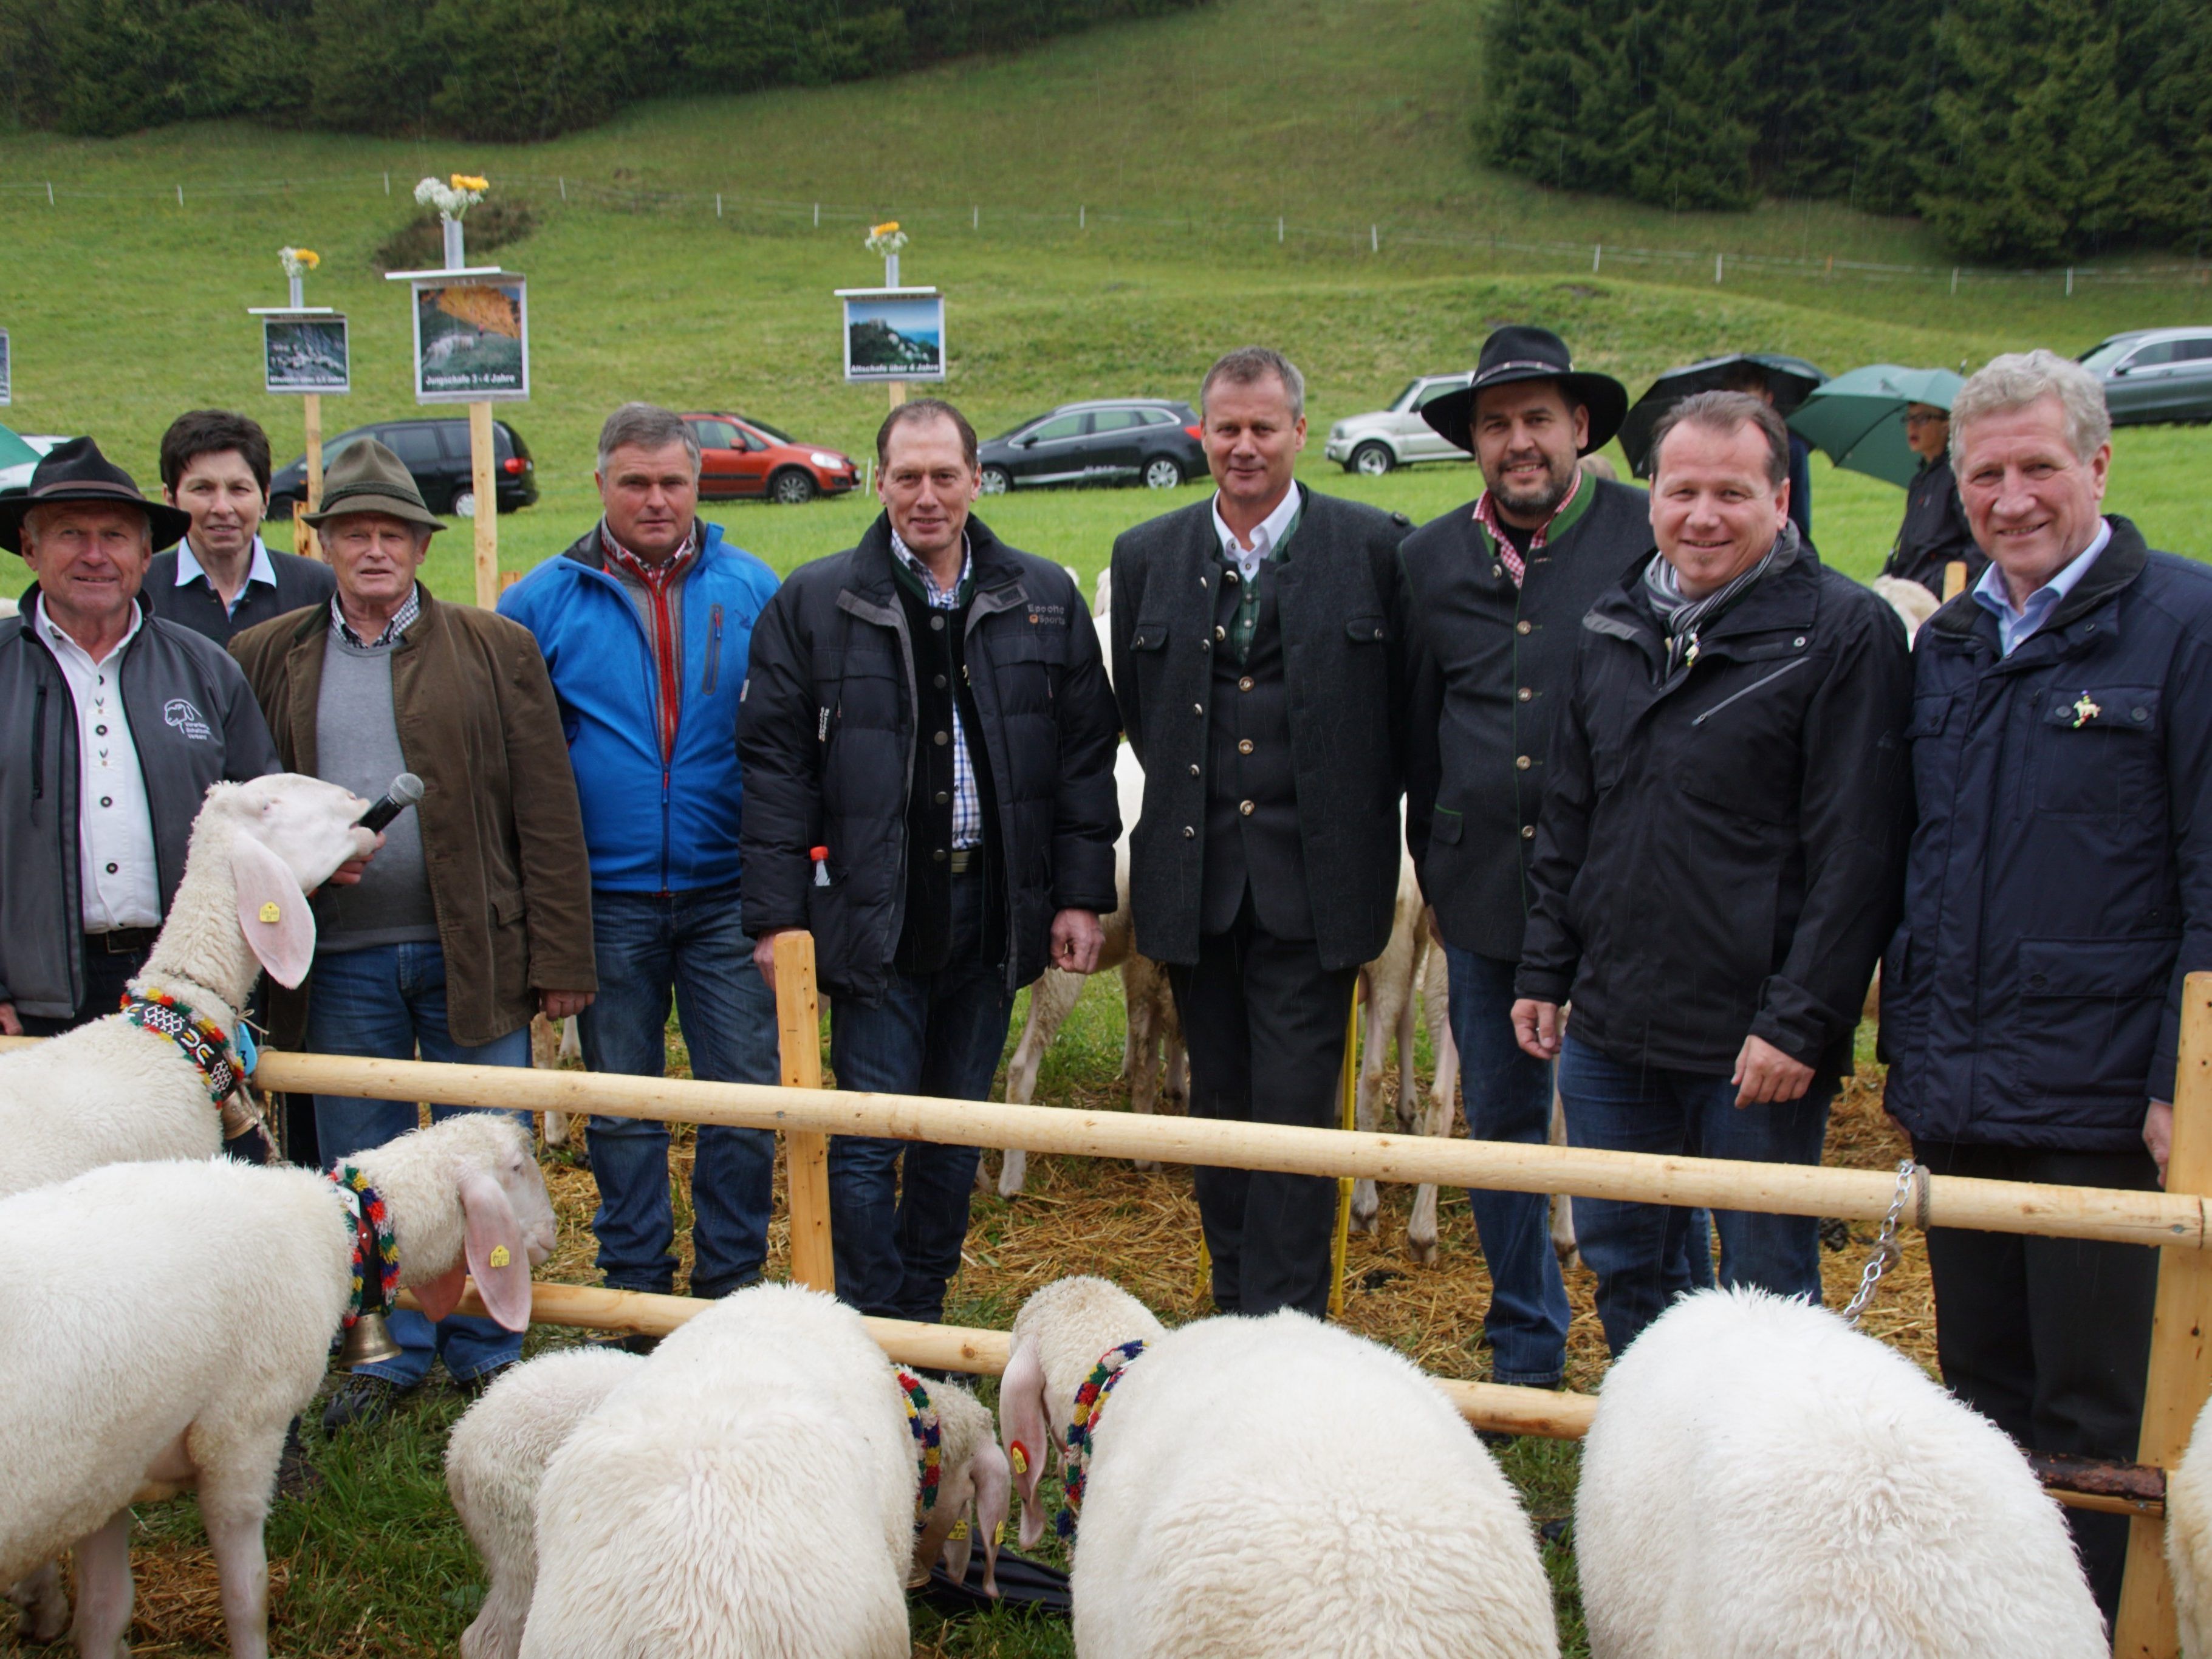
(1519, 353)
(77, 472)
(367, 477)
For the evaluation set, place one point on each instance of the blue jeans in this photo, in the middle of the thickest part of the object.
(1508, 1096)
(385, 1003)
(1644, 1254)
(692, 946)
(932, 1034)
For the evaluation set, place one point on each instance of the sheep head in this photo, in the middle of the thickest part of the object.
(467, 1201)
(289, 833)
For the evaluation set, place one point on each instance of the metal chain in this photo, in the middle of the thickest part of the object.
(1886, 1251)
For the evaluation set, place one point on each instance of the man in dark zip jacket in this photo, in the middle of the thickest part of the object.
(644, 625)
(1719, 857)
(1933, 535)
(928, 740)
(2059, 890)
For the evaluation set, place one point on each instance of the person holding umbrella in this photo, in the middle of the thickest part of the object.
(1935, 534)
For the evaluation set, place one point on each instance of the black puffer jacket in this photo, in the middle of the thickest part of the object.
(1721, 851)
(826, 733)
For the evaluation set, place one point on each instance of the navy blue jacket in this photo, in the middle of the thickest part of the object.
(2060, 880)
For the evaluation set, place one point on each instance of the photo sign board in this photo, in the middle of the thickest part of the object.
(303, 352)
(472, 339)
(7, 371)
(894, 333)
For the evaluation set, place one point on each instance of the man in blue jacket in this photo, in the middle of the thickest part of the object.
(645, 624)
(2059, 887)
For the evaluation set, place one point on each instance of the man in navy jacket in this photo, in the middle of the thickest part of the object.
(645, 624)
(2059, 887)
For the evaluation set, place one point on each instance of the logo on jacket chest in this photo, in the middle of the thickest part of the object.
(1047, 616)
(181, 714)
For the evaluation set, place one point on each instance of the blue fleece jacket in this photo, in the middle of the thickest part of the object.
(650, 828)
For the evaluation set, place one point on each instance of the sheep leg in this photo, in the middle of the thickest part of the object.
(232, 1506)
(1366, 1203)
(1050, 1001)
(42, 1605)
(103, 1591)
(1562, 1207)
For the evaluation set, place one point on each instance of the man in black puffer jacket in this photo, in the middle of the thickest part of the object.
(928, 740)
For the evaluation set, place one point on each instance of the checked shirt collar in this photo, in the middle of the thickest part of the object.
(402, 620)
(1485, 514)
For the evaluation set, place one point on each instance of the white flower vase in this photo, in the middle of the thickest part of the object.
(890, 270)
(299, 293)
(454, 257)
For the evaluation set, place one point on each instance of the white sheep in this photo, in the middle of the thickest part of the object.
(165, 1321)
(2188, 1540)
(497, 1458)
(749, 1491)
(110, 1092)
(1761, 1479)
(1913, 604)
(1412, 962)
(1268, 1486)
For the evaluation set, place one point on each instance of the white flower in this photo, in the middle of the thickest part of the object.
(298, 261)
(885, 239)
(450, 197)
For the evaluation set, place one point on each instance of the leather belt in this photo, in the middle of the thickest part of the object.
(961, 858)
(122, 941)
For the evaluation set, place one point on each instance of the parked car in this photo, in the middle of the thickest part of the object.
(2154, 374)
(436, 453)
(1396, 436)
(1151, 441)
(741, 459)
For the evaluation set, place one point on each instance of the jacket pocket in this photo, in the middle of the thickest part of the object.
(1444, 826)
(1148, 636)
(714, 654)
(1366, 630)
(2097, 752)
(2088, 1015)
(506, 904)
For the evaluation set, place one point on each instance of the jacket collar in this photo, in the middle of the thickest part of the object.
(1787, 597)
(586, 550)
(992, 563)
(2117, 567)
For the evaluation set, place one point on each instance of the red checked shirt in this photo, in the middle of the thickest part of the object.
(1485, 514)
(658, 589)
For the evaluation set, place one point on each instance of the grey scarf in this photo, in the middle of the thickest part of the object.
(1682, 617)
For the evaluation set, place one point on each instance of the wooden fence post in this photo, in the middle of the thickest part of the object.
(483, 481)
(2180, 1343)
(1954, 579)
(806, 1153)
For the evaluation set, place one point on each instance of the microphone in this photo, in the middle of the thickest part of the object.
(406, 789)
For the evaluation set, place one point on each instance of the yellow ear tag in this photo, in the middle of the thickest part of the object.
(500, 1258)
(272, 911)
(1018, 1456)
(959, 1530)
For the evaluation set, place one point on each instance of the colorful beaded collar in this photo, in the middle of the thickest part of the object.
(221, 1067)
(373, 1241)
(1082, 1430)
(923, 1423)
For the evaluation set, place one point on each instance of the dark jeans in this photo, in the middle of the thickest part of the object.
(2050, 1338)
(897, 1231)
(692, 946)
(1264, 1023)
(385, 1003)
(1508, 1096)
(1641, 1253)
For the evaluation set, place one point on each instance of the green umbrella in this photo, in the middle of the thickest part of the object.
(1857, 420)
(14, 452)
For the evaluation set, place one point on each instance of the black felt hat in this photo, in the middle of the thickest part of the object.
(77, 472)
(1519, 353)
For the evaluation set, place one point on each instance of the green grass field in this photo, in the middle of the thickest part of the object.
(1179, 145)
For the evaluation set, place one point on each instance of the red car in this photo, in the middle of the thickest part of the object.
(740, 458)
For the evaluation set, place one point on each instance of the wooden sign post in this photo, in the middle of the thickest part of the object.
(305, 353)
(806, 1153)
(311, 408)
(484, 481)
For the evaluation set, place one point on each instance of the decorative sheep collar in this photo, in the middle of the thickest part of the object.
(224, 1061)
(923, 1424)
(373, 1240)
(1083, 1429)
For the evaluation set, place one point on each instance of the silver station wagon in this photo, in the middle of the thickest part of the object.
(2155, 375)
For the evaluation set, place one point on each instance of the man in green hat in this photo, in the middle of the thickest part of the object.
(474, 914)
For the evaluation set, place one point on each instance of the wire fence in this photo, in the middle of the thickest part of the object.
(1373, 238)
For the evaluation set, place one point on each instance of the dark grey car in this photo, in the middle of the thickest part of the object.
(1149, 440)
(2155, 375)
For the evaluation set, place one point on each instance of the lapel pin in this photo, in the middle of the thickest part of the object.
(2084, 711)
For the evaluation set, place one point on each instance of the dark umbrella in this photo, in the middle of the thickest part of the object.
(1792, 380)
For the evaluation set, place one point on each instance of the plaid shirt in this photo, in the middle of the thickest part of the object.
(967, 805)
(402, 620)
(1485, 514)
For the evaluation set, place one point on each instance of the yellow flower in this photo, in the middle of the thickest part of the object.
(889, 228)
(307, 257)
(469, 181)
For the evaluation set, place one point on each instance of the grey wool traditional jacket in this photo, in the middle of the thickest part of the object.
(1337, 591)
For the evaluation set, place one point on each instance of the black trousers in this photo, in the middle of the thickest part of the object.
(1263, 1021)
(2050, 1338)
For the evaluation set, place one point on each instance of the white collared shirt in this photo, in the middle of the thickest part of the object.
(190, 570)
(2016, 626)
(1264, 539)
(117, 880)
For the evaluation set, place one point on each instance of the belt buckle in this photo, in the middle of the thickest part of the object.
(960, 857)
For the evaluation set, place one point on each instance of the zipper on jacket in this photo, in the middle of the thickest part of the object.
(38, 742)
(713, 652)
(1766, 679)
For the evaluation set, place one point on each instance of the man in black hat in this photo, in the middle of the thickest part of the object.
(1259, 665)
(1495, 592)
(113, 724)
(1935, 535)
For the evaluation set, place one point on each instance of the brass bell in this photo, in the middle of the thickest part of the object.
(369, 1341)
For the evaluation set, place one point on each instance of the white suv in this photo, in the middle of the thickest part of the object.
(1396, 436)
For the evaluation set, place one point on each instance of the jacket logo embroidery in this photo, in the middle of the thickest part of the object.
(180, 714)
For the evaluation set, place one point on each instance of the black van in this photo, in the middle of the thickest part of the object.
(437, 454)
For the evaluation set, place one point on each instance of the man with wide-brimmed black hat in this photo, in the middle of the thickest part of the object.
(1496, 590)
(113, 724)
(475, 913)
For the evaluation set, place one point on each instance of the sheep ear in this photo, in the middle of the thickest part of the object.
(935, 1542)
(1023, 1427)
(497, 1258)
(442, 1295)
(273, 912)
